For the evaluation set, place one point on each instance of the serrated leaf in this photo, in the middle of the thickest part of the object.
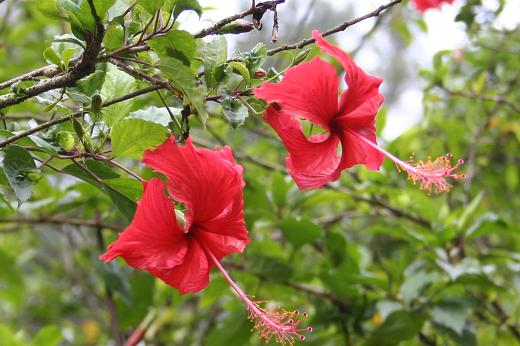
(131, 137)
(18, 164)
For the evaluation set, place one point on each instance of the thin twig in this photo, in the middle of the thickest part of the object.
(76, 115)
(56, 220)
(334, 30)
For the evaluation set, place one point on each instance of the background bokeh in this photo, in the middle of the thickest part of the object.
(372, 259)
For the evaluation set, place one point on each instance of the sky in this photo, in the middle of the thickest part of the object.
(443, 34)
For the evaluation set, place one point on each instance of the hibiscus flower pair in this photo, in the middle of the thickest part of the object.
(182, 248)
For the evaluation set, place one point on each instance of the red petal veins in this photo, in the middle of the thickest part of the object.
(312, 163)
(206, 181)
(221, 245)
(153, 239)
(308, 90)
(190, 276)
(360, 85)
(362, 121)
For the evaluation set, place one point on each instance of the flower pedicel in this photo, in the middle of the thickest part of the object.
(181, 249)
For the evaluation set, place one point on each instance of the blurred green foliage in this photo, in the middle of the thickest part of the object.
(372, 259)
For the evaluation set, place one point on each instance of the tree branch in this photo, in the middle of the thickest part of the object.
(334, 30)
(84, 67)
(259, 7)
(55, 220)
(77, 114)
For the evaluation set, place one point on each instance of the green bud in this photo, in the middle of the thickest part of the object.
(301, 56)
(77, 127)
(34, 176)
(65, 139)
(96, 103)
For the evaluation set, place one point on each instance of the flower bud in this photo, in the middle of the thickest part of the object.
(65, 139)
(260, 73)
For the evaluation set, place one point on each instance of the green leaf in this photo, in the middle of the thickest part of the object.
(151, 6)
(469, 210)
(178, 44)
(9, 338)
(414, 283)
(48, 336)
(131, 188)
(158, 115)
(66, 56)
(234, 111)
(186, 5)
(114, 37)
(238, 335)
(116, 84)
(215, 54)
(140, 295)
(18, 166)
(450, 316)
(300, 232)
(242, 70)
(184, 79)
(124, 203)
(399, 326)
(12, 287)
(279, 189)
(131, 137)
(270, 267)
(93, 83)
(51, 57)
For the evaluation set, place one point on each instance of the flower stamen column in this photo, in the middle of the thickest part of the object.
(277, 323)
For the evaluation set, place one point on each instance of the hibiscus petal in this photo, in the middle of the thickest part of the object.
(206, 181)
(190, 276)
(360, 122)
(229, 223)
(360, 85)
(308, 90)
(221, 245)
(153, 239)
(311, 163)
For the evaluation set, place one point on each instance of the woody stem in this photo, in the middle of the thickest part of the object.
(251, 306)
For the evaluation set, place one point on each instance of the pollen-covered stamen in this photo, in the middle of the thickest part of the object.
(431, 175)
(275, 323)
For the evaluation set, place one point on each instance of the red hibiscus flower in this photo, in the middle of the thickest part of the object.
(309, 91)
(423, 5)
(181, 248)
